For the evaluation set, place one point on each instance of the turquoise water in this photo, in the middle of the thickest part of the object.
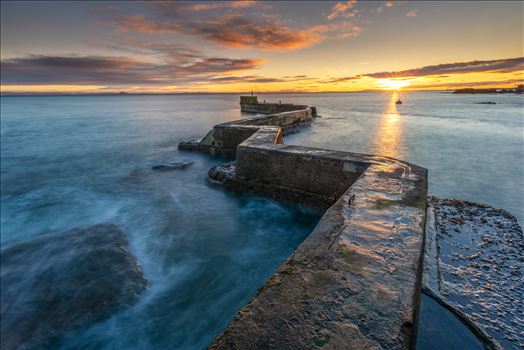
(78, 161)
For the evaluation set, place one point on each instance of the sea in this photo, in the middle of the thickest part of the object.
(76, 161)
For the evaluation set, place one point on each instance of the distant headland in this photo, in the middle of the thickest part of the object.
(516, 90)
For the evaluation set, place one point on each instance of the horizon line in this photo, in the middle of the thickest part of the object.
(123, 93)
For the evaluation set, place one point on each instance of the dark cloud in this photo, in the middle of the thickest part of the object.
(443, 70)
(342, 79)
(295, 76)
(500, 66)
(117, 70)
(72, 70)
(259, 79)
(509, 82)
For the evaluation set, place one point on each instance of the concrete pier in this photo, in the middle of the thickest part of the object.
(355, 282)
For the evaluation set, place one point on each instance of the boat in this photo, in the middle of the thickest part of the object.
(398, 102)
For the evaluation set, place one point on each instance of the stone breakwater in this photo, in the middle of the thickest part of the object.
(355, 281)
(225, 138)
(250, 104)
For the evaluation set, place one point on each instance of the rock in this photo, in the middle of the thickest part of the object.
(59, 282)
(172, 166)
(222, 173)
(473, 265)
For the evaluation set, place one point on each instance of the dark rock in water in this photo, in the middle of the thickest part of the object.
(58, 282)
(487, 103)
(473, 264)
(172, 166)
(222, 172)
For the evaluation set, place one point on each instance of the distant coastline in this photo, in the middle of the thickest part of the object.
(516, 90)
(27, 94)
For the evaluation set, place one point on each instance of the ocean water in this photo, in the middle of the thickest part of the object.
(473, 151)
(75, 161)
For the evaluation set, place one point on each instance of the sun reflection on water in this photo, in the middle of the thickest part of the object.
(388, 139)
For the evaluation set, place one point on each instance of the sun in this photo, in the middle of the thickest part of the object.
(392, 84)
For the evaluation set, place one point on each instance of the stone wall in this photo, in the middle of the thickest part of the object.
(327, 173)
(269, 108)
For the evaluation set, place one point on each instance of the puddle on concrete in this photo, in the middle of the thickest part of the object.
(440, 329)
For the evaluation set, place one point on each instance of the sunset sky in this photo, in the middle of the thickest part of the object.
(241, 46)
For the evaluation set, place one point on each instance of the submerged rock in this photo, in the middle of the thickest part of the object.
(474, 264)
(171, 166)
(58, 282)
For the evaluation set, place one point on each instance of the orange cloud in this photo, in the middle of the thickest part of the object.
(140, 24)
(342, 9)
(236, 31)
(412, 13)
(388, 4)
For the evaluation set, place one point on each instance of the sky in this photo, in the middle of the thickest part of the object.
(262, 46)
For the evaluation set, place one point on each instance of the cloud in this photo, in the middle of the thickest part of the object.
(342, 9)
(412, 13)
(387, 4)
(235, 26)
(236, 31)
(500, 66)
(343, 79)
(40, 69)
(445, 70)
(223, 5)
(509, 82)
(295, 76)
(260, 79)
(140, 24)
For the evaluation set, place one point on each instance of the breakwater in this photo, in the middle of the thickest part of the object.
(226, 137)
(250, 104)
(355, 281)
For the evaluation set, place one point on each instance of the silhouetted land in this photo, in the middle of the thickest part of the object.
(517, 90)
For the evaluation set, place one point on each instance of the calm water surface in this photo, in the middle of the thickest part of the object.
(77, 161)
(473, 151)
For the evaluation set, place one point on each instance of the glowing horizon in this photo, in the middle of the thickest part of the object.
(169, 47)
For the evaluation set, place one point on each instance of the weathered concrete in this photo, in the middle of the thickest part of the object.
(474, 266)
(355, 281)
(224, 138)
(55, 283)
